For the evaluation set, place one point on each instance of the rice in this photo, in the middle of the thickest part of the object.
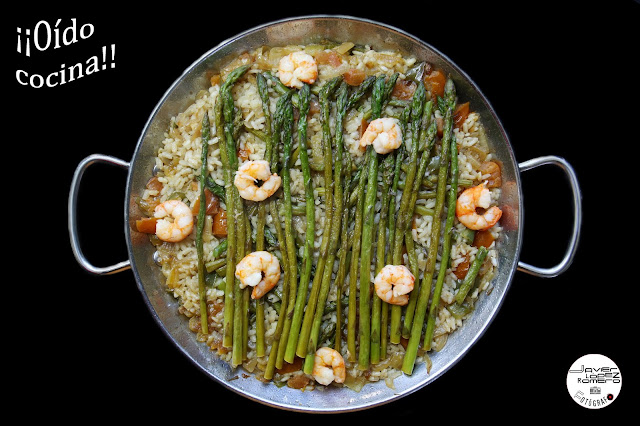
(177, 171)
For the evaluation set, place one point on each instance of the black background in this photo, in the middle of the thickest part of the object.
(561, 79)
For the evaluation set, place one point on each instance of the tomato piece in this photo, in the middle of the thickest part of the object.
(298, 381)
(354, 77)
(460, 114)
(147, 225)
(483, 239)
(195, 208)
(213, 204)
(296, 365)
(215, 79)
(363, 127)
(329, 57)
(463, 267)
(219, 228)
(494, 171)
(154, 184)
(404, 342)
(435, 82)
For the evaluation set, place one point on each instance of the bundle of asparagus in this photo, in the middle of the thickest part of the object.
(349, 198)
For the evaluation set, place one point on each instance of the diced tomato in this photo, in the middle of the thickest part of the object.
(147, 225)
(363, 127)
(154, 184)
(195, 207)
(329, 57)
(492, 168)
(403, 89)
(296, 365)
(354, 77)
(213, 204)
(460, 114)
(461, 270)
(483, 239)
(219, 228)
(298, 381)
(435, 83)
(404, 342)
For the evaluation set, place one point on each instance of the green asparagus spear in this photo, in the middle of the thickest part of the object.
(335, 232)
(302, 338)
(262, 206)
(307, 257)
(246, 292)
(284, 250)
(353, 272)
(214, 265)
(426, 285)
(390, 84)
(376, 306)
(200, 226)
(277, 84)
(231, 234)
(240, 295)
(367, 235)
(446, 246)
(427, 140)
(360, 91)
(287, 139)
(345, 242)
(405, 211)
(344, 257)
(404, 214)
(384, 316)
(472, 273)
(235, 210)
(215, 189)
(220, 248)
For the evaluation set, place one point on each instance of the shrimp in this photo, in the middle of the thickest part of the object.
(468, 203)
(249, 174)
(393, 284)
(260, 270)
(298, 68)
(384, 133)
(180, 227)
(328, 366)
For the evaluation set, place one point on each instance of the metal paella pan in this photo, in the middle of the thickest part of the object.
(164, 307)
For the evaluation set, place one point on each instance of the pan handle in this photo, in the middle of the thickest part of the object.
(73, 229)
(577, 217)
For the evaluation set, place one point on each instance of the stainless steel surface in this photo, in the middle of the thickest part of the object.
(164, 307)
(72, 217)
(572, 246)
